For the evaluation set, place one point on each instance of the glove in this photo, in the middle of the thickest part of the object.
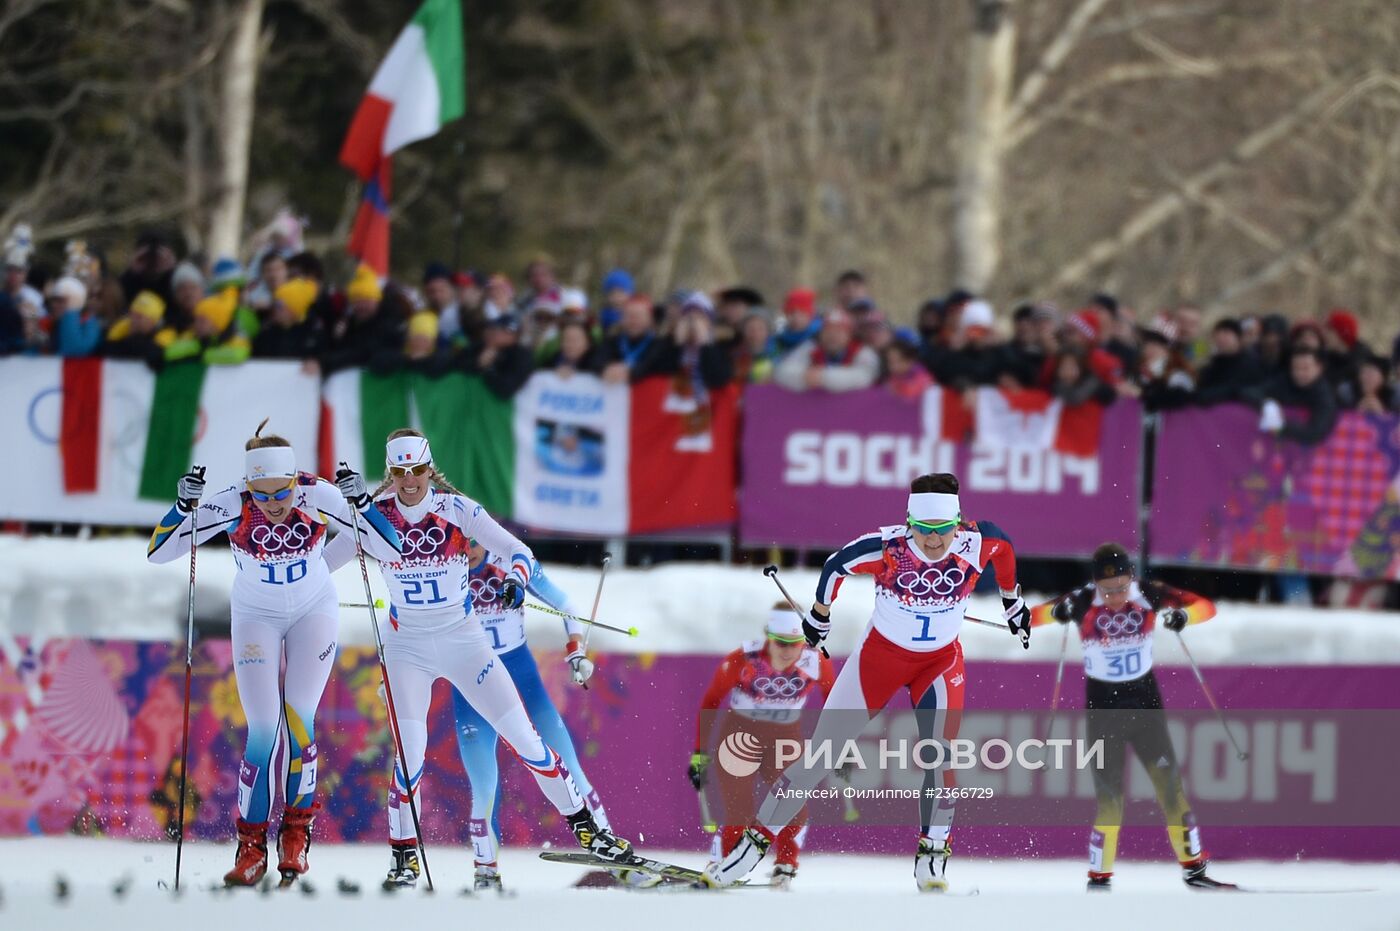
(1174, 619)
(1063, 610)
(1018, 616)
(578, 661)
(699, 763)
(189, 489)
(512, 593)
(816, 625)
(352, 486)
(1271, 417)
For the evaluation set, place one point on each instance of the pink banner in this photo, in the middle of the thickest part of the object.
(1227, 495)
(819, 469)
(91, 733)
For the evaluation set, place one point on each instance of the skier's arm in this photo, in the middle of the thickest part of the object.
(482, 527)
(863, 554)
(339, 551)
(377, 535)
(725, 678)
(826, 677)
(997, 549)
(1164, 598)
(171, 538)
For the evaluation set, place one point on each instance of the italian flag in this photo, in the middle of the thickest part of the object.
(419, 86)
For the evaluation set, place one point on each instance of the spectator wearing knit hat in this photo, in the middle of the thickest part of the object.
(692, 352)
(731, 310)
(800, 322)
(1163, 378)
(617, 287)
(837, 362)
(1231, 371)
(369, 336)
(1079, 336)
(77, 331)
(141, 334)
(216, 336)
(1342, 354)
(290, 332)
(969, 354)
(187, 285)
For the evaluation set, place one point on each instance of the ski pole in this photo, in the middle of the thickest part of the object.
(1211, 698)
(708, 821)
(189, 672)
(378, 603)
(772, 573)
(389, 695)
(629, 631)
(1059, 677)
(851, 813)
(999, 625)
(597, 597)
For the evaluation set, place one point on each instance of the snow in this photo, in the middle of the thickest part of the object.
(1047, 895)
(105, 588)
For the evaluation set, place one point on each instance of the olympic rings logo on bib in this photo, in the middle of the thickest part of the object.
(1117, 625)
(281, 538)
(779, 686)
(420, 542)
(484, 591)
(939, 582)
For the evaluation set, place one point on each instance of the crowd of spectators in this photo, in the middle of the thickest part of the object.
(165, 310)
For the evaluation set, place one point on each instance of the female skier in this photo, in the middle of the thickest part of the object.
(282, 599)
(925, 569)
(435, 632)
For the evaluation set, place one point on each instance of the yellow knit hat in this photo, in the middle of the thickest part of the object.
(296, 295)
(364, 286)
(423, 323)
(149, 305)
(218, 308)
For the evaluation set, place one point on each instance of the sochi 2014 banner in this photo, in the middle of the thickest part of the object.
(820, 469)
(90, 739)
(1228, 495)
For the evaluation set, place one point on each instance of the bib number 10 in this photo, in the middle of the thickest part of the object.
(285, 574)
(423, 592)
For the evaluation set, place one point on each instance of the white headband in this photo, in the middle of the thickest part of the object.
(407, 451)
(784, 623)
(269, 462)
(934, 507)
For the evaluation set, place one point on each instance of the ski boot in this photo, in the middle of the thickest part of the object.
(487, 879)
(1099, 882)
(603, 844)
(250, 862)
(783, 875)
(739, 862)
(403, 872)
(293, 843)
(1193, 873)
(931, 865)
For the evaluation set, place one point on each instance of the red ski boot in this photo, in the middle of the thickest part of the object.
(293, 842)
(250, 862)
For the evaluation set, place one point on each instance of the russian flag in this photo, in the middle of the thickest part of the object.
(369, 238)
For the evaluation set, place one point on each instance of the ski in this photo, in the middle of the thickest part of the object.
(655, 867)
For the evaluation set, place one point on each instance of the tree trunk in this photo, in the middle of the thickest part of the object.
(977, 198)
(239, 80)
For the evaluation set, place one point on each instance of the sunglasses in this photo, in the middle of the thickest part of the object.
(417, 470)
(785, 641)
(1116, 589)
(281, 495)
(939, 527)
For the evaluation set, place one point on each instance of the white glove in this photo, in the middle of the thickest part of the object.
(579, 662)
(1271, 417)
